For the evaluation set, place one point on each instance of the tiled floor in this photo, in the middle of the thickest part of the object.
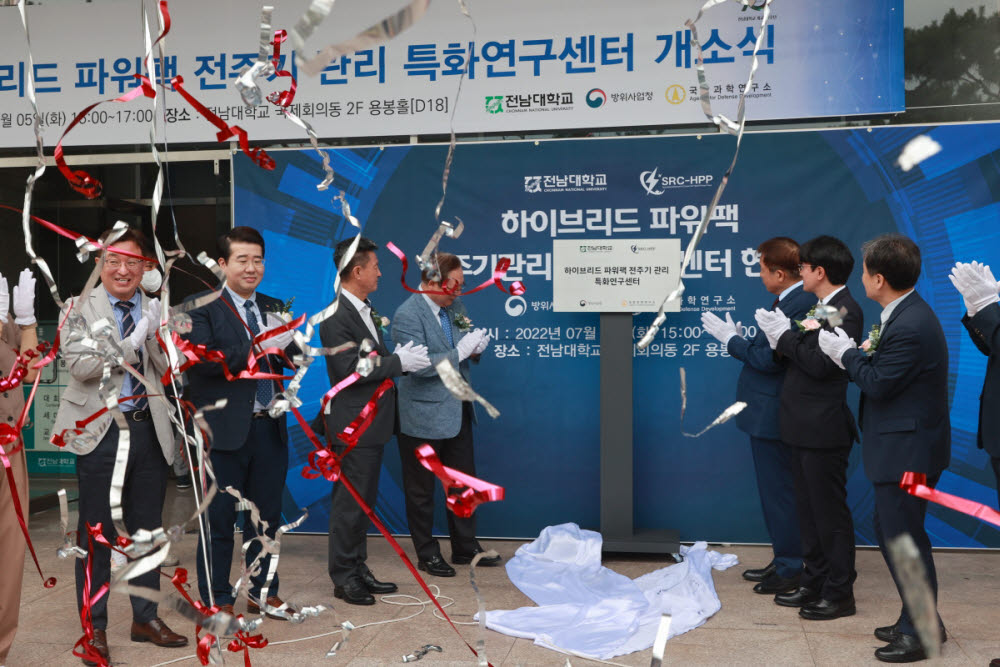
(749, 630)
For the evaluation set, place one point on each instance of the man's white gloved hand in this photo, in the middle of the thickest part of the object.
(976, 284)
(721, 330)
(834, 344)
(281, 340)
(467, 345)
(138, 336)
(773, 323)
(153, 313)
(4, 300)
(484, 343)
(24, 298)
(412, 357)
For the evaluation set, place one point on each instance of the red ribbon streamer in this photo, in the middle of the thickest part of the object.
(476, 491)
(503, 264)
(284, 98)
(83, 649)
(915, 483)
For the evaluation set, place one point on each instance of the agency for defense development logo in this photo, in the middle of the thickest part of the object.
(596, 98)
(494, 103)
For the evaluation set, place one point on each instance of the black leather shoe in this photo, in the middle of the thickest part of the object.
(775, 583)
(760, 574)
(797, 598)
(375, 586)
(889, 633)
(465, 559)
(436, 566)
(354, 591)
(905, 648)
(827, 610)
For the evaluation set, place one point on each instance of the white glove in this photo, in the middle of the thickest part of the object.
(484, 343)
(834, 344)
(773, 323)
(4, 300)
(412, 357)
(976, 284)
(153, 313)
(280, 341)
(24, 298)
(467, 346)
(138, 336)
(721, 330)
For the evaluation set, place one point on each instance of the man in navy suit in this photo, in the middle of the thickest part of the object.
(429, 413)
(903, 375)
(978, 287)
(759, 386)
(819, 427)
(249, 449)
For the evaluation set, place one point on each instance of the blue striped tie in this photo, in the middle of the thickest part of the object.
(446, 325)
(264, 390)
(134, 386)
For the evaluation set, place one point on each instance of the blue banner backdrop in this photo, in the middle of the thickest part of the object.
(542, 371)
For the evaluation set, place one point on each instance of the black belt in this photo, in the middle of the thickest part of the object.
(137, 415)
(261, 414)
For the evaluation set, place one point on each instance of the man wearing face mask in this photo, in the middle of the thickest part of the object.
(118, 301)
(429, 413)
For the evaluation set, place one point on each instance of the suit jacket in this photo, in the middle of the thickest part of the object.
(426, 408)
(343, 326)
(80, 397)
(759, 384)
(984, 330)
(904, 400)
(217, 326)
(11, 402)
(814, 410)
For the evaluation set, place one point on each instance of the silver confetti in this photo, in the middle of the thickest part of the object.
(917, 593)
(460, 389)
(660, 643)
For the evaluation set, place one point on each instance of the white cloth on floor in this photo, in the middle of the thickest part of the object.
(586, 608)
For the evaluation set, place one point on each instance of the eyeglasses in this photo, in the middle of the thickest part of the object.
(130, 264)
(803, 265)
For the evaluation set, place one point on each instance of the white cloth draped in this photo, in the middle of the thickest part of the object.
(588, 609)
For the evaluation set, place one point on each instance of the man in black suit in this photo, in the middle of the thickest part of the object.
(759, 386)
(818, 425)
(354, 321)
(249, 449)
(978, 287)
(903, 375)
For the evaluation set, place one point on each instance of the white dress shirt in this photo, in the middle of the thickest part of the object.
(365, 310)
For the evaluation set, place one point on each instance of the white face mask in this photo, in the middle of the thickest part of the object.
(152, 280)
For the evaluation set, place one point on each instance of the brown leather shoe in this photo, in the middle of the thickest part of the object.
(272, 601)
(228, 609)
(156, 631)
(100, 644)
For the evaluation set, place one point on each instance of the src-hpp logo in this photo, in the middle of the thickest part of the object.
(650, 180)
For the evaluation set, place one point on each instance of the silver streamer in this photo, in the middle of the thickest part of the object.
(460, 389)
(374, 35)
(727, 414)
(916, 151)
(422, 651)
(481, 604)
(246, 82)
(346, 628)
(660, 643)
(69, 549)
(725, 125)
(830, 314)
(427, 260)
(917, 593)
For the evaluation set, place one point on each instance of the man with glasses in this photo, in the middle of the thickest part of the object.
(133, 320)
(429, 413)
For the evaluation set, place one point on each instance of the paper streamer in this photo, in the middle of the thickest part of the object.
(917, 594)
(461, 389)
(916, 151)
(727, 414)
(916, 485)
(660, 643)
(475, 491)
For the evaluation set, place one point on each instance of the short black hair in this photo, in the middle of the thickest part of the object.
(896, 257)
(360, 258)
(830, 253)
(131, 234)
(239, 235)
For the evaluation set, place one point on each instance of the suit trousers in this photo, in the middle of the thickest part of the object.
(347, 543)
(142, 506)
(825, 521)
(897, 512)
(419, 485)
(257, 470)
(774, 462)
(995, 462)
(12, 547)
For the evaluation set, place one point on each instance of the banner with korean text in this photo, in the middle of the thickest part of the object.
(542, 370)
(533, 66)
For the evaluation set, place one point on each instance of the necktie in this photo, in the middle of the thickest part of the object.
(446, 325)
(264, 390)
(775, 304)
(128, 325)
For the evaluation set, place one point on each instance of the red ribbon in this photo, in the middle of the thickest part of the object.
(475, 491)
(83, 649)
(915, 483)
(503, 264)
(284, 98)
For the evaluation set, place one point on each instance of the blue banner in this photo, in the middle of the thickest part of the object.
(542, 371)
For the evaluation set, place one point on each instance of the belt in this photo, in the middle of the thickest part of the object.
(261, 414)
(136, 415)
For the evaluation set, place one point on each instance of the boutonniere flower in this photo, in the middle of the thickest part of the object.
(285, 311)
(874, 336)
(381, 321)
(809, 322)
(462, 322)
